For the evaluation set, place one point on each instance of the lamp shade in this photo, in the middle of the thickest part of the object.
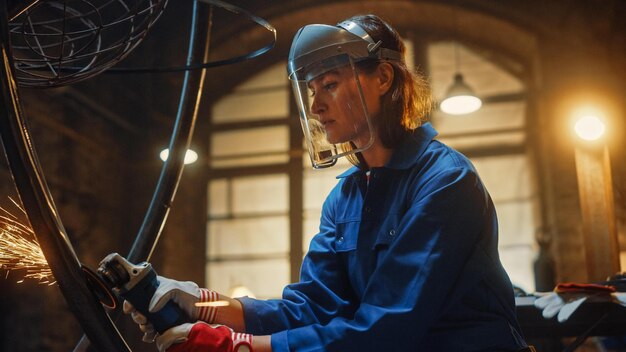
(460, 98)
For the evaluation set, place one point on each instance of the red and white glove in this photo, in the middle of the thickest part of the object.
(185, 294)
(202, 337)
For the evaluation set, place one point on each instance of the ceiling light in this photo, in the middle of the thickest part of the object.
(589, 128)
(190, 156)
(460, 98)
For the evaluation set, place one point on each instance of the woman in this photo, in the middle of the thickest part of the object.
(406, 258)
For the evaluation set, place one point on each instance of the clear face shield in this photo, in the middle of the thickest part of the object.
(333, 110)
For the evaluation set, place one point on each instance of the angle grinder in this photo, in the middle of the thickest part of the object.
(137, 283)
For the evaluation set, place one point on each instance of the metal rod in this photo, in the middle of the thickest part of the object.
(42, 212)
(17, 7)
(182, 133)
(172, 169)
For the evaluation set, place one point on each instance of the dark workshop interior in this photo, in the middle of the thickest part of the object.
(246, 209)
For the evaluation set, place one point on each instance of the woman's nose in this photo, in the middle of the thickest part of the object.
(317, 106)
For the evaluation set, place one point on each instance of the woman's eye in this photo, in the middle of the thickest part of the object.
(329, 86)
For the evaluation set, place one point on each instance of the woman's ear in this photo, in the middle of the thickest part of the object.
(385, 77)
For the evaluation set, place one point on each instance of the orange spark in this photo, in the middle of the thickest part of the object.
(19, 249)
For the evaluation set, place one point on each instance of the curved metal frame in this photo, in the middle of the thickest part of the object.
(45, 48)
(180, 140)
(42, 213)
(190, 65)
(39, 205)
(209, 64)
(37, 199)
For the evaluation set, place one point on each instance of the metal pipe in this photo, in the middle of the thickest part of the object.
(182, 133)
(42, 212)
(180, 140)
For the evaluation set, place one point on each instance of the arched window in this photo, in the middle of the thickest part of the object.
(494, 138)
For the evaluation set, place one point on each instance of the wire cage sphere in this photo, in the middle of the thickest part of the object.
(58, 42)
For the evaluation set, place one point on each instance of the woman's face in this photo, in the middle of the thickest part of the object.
(337, 103)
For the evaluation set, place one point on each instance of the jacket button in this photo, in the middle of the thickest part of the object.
(340, 239)
(392, 232)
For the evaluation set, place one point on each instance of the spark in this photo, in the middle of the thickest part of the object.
(19, 249)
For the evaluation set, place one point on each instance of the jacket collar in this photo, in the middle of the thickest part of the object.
(408, 153)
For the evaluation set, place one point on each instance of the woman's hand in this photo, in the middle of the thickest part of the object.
(203, 337)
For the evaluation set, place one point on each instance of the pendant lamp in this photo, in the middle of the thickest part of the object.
(460, 98)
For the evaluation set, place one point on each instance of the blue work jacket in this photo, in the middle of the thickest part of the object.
(408, 262)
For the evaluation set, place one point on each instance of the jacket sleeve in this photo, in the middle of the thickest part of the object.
(412, 283)
(322, 293)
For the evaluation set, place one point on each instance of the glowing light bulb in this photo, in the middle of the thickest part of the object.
(190, 156)
(460, 98)
(589, 128)
(461, 104)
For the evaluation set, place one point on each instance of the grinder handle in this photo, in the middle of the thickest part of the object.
(139, 296)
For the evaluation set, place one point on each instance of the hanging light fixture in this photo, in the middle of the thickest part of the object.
(460, 98)
(190, 156)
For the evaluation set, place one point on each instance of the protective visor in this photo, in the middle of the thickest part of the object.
(332, 110)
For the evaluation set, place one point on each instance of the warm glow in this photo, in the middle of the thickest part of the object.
(241, 291)
(460, 104)
(589, 127)
(190, 157)
(212, 304)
